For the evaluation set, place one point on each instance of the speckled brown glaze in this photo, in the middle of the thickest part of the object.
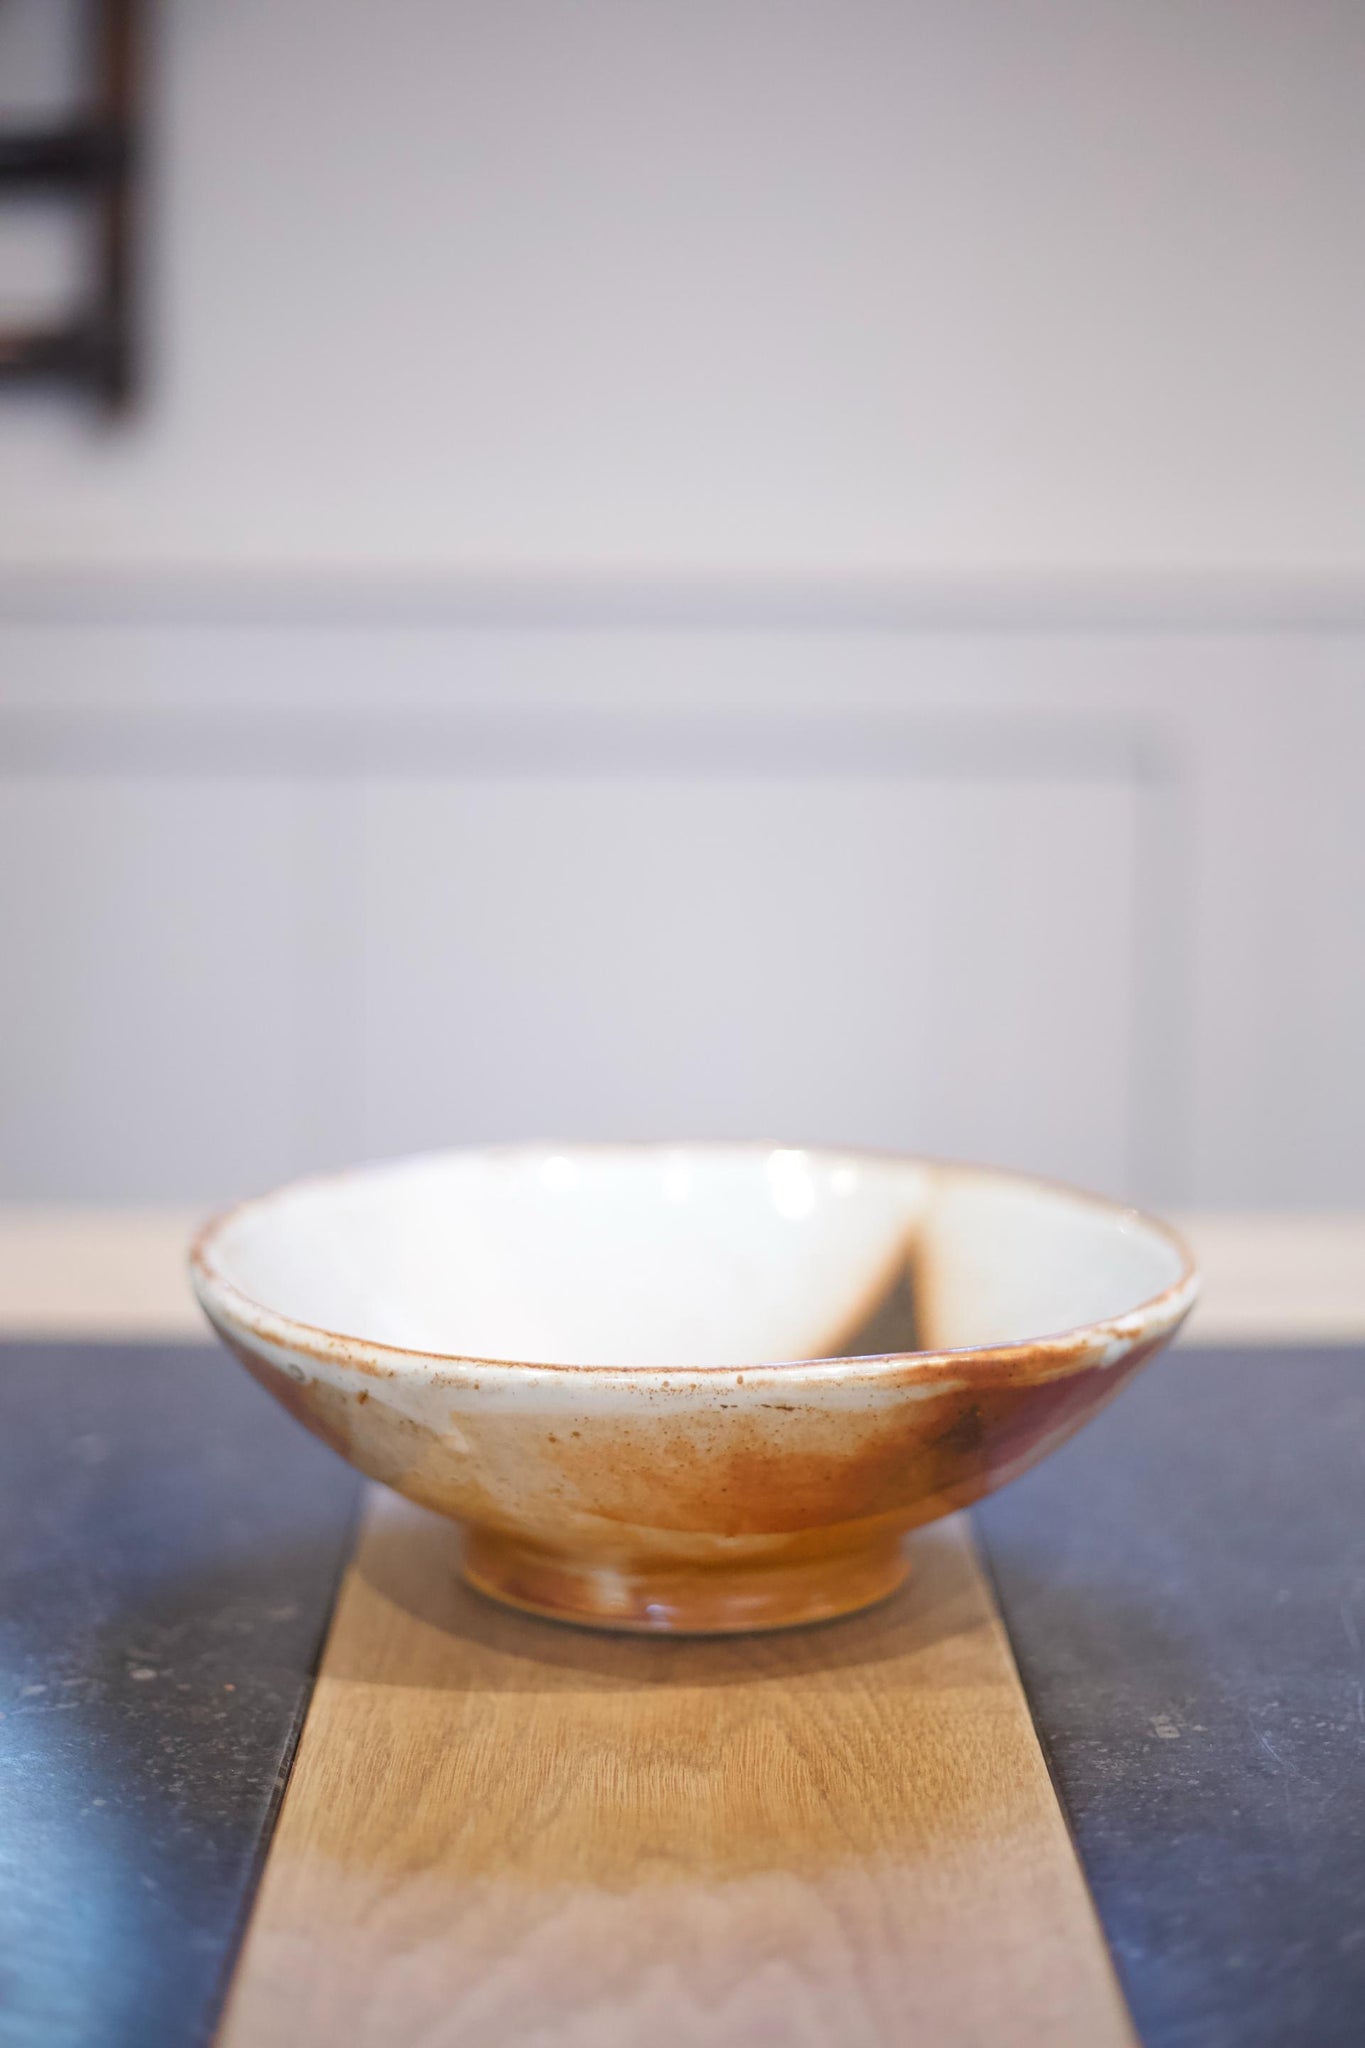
(674, 1499)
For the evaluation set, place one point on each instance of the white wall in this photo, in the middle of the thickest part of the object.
(813, 287)
(702, 567)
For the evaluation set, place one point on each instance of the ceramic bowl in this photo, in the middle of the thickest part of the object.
(689, 1388)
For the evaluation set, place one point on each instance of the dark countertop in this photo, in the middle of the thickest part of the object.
(1184, 1585)
(169, 1548)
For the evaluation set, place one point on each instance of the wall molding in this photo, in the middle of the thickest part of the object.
(815, 601)
(404, 739)
(221, 741)
(1244, 751)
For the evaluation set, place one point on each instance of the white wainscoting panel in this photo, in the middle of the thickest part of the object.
(161, 1011)
(294, 878)
(894, 961)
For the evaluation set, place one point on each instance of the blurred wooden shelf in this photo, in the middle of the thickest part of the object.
(90, 160)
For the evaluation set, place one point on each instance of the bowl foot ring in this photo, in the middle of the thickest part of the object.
(658, 1596)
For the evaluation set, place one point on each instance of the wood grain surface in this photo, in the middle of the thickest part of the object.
(503, 1831)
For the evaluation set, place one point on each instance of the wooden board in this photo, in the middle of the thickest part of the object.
(501, 1831)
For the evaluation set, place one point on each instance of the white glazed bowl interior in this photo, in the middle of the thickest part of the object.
(681, 1256)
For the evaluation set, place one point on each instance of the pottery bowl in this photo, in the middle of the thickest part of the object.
(689, 1388)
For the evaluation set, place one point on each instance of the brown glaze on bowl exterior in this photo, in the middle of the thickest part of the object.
(707, 1498)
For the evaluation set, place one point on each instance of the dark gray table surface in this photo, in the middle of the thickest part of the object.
(169, 1548)
(1184, 1585)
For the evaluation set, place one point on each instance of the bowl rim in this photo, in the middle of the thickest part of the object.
(1048, 1353)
